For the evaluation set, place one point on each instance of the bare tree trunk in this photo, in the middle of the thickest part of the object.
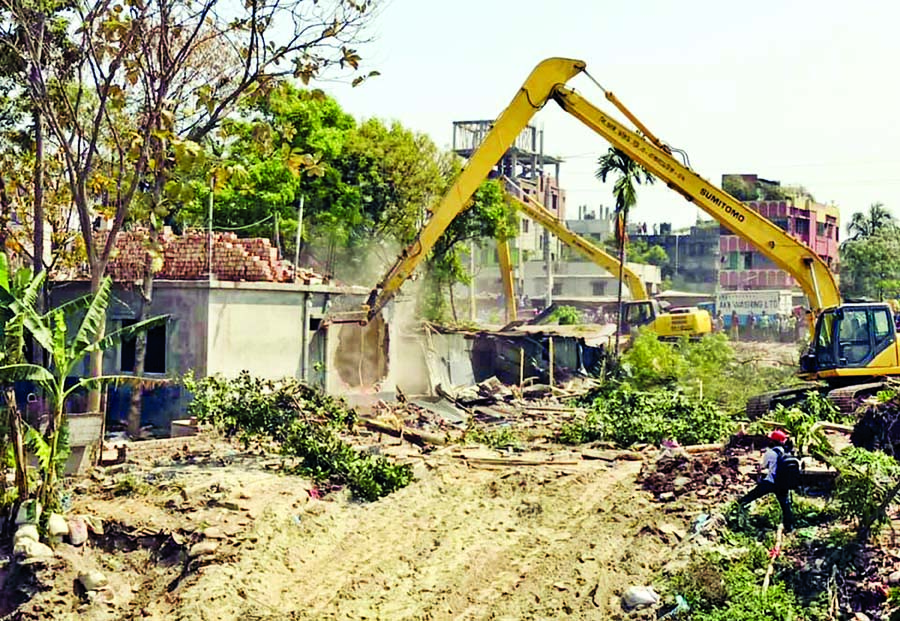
(140, 347)
(453, 303)
(43, 301)
(38, 191)
(5, 214)
(16, 437)
(619, 295)
(96, 363)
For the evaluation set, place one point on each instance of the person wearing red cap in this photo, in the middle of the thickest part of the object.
(777, 455)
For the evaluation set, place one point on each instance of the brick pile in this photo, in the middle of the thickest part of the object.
(185, 258)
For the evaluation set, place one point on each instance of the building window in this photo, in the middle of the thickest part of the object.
(598, 287)
(557, 288)
(524, 225)
(748, 260)
(732, 261)
(155, 360)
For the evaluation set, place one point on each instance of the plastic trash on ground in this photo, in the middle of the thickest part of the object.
(637, 597)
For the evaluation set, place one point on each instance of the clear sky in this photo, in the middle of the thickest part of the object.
(804, 92)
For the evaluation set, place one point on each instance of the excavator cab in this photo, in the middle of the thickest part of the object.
(639, 313)
(853, 338)
(668, 324)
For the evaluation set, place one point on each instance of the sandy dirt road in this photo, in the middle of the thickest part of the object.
(527, 543)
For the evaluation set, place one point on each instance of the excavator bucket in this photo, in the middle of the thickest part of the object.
(360, 317)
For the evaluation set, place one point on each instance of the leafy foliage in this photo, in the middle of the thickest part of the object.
(869, 264)
(707, 368)
(499, 438)
(65, 351)
(304, 422)
(488, 216)
(726, 587)
(800, 421)
(866, 486)
(639, 251)
(567, 316)
(627, 416)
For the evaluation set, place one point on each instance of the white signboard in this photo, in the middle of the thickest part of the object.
(774, 302)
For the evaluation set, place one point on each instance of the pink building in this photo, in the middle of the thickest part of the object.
(792, 209)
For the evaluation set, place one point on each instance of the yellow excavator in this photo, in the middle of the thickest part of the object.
(853, 348)
(640, 311)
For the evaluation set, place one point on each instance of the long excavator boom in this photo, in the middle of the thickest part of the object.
(791, 255)
(547, 81)
(546, 219)
(531, 97)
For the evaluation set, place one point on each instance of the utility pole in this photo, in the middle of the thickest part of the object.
(548, 256)
(472, 281)
(209, 237)
(299, 237)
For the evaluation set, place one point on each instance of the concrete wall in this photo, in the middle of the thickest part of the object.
(223, 327)
(255, 331)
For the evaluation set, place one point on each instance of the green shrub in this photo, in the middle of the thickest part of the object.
(863, 488)
(567, 316)
(500, 438)
(723, 587)
(627, 416)
(706, 368)
(303, 421)
(776, 604)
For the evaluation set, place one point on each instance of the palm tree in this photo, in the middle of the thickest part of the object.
(865, 224)
(630, 174)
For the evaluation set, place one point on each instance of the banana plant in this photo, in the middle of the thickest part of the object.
(66, 350)
(16, 290)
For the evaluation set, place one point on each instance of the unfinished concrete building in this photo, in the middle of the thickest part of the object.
(535, 172)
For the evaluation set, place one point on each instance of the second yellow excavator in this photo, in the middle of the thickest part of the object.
(854, 347)
(640, 311)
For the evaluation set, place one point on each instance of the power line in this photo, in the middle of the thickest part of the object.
(246, 226)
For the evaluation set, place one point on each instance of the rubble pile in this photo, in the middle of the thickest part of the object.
(812, 567)
(708, 475)
(537, 410)
(878, 427)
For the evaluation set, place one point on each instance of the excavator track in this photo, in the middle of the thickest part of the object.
(760, 405)
(848, 398)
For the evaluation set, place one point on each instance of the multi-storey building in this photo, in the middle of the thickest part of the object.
(791, 208)
(693, 253)
(531, 169)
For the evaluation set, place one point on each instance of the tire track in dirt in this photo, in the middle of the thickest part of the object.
(459, 544)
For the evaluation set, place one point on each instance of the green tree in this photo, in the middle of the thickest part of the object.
(367, 188)
(149, 75)
(864, 225)
(870, 265)
(628, 174)
(487, 217)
